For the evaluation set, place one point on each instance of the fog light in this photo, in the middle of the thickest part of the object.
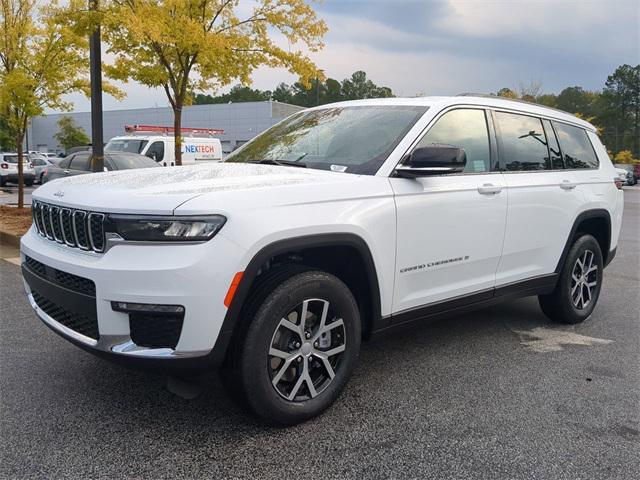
(127, 307)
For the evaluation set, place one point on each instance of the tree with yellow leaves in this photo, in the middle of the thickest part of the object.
(41, 60)
(187, 45)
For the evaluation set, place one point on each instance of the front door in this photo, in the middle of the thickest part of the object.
(450, 228)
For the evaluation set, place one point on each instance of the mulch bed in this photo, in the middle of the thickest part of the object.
(15, 220)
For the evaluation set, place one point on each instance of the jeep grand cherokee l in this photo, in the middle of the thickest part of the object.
(341, 222)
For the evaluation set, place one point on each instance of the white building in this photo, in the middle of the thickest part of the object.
(240, 122)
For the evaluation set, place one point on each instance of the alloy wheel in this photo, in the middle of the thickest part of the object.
(584, 280)
(306, 350)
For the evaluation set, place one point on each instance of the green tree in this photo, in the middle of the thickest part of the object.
(576, 100)
(70, 135)
(620, 108)
(359, 86)
(41, 60)
(199, 45)
(7, 142)
(506, 92)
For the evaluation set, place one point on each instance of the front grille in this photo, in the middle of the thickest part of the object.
(155, 331)
(75, 228)
(63, 279)
(82, 324)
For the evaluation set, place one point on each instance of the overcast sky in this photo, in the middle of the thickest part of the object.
(442, 47)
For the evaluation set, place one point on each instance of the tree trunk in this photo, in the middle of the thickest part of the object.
(19, 139)
(177, 132)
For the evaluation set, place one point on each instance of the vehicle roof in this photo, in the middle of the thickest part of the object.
(479, 100)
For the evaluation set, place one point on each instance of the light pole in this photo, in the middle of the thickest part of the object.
(95, 74)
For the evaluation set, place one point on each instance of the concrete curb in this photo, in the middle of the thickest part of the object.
(7, 238)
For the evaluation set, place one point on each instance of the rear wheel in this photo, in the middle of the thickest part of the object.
(300, 347)
(578, 288)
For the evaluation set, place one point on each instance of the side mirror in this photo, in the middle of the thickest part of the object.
(435, 159)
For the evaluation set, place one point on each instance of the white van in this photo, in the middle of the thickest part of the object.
(161, 148)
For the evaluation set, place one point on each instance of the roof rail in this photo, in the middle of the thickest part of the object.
(519, 100)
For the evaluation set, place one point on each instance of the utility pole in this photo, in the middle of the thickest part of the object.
(95, 66)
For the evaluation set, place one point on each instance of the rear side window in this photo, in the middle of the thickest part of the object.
(576, 147)
(466, 129)
(80, 162)
(523, 144)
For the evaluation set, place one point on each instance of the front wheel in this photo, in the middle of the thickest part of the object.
(578, 288)
(300, 348)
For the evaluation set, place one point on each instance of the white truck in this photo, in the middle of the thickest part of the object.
(158, 143)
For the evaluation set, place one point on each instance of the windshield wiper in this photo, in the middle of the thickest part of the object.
(282, 163)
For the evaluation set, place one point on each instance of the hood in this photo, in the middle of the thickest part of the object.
(160, 191)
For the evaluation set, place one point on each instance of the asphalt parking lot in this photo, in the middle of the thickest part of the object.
(498, 393)
(9, 194)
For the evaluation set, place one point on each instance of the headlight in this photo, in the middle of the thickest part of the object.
(166, 229)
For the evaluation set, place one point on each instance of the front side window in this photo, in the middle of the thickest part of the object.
(523, 144)
(343, 139)
(576, 147)
(465, 129)
(156, 151)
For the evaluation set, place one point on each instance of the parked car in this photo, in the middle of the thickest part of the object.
(623, 175)
(9, 169)
(630, 176)
(52, 156)
(341, 222)
(40, 163)
(79, 164)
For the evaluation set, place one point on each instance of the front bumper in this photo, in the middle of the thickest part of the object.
(149, 274)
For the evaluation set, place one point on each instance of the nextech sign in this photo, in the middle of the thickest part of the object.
(192, 148)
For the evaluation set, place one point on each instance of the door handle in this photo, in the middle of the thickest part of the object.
(489, 189)
(567, 185)
(66, 171)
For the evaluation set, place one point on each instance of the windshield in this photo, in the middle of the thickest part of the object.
(343, 139)
(132, 145)
(125, 162)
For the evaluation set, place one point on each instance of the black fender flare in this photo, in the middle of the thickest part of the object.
(284, 246)
(587, 215)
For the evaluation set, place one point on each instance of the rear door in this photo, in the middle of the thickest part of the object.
(450, 228)
(542, 197)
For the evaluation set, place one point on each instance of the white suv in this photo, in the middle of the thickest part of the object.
(406, 209)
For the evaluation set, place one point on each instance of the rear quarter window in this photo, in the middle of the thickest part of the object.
(576, 147)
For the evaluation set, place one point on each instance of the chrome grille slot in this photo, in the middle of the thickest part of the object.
(80, 229)
(56, 227)
(67, 227)
(46, 220)
(96, 231)
(75, 228)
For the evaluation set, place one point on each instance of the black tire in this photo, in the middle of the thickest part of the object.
(280, 295)
(28, 183)
(3, 182)
(561, 304)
